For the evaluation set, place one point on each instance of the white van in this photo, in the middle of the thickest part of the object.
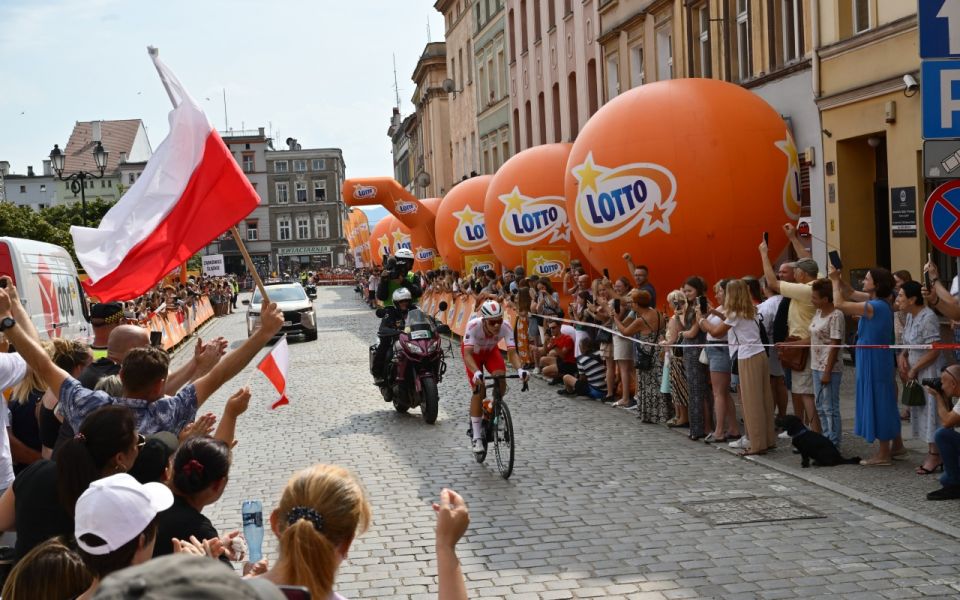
(49, 287)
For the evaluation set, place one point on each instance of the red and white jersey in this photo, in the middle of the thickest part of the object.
(474, 336)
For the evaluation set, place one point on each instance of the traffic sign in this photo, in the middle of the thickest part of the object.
(939, 23)
(941, 218)
(941, 159)
(940, 98)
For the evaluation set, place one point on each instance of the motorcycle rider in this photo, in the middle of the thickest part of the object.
(394, 318)
(396, 274)
(479, 350)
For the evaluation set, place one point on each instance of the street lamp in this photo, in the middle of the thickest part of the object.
(78, 180)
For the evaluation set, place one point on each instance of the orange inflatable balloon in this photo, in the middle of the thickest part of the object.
(526, 210)
(382, 238)
(461, 232)
(417, 219)
(685, 175)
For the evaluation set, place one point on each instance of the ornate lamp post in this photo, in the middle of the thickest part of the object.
(78, 180)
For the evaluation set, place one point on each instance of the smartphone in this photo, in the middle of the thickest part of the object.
(3, 283)
(766, 237)
(703, 304)
(606, 273)
(295, 592)
(616, 306)
(834, 257)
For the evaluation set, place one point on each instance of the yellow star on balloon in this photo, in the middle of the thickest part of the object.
(467, 216)
(513, 200)
(587, 175)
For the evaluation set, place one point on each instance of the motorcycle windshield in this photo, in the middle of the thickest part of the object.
(419, 325)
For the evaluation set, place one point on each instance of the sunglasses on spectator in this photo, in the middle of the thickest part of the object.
(141, 440)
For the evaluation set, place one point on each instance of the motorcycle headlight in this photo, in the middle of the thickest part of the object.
(414, 348)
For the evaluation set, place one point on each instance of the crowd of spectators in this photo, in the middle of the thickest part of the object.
(111, 468)
(773, 342)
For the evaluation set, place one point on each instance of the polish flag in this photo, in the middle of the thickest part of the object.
(191, 191)
(274, 366)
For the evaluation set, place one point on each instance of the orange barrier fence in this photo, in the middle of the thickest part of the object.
(175, 326)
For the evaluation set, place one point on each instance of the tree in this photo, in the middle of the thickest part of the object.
(63, 216)
(23, 222)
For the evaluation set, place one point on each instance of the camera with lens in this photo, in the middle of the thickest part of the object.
(932, 383)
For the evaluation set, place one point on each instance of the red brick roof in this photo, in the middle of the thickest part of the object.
(116, 136)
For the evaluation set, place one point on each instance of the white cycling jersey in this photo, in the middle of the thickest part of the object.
(476, 337)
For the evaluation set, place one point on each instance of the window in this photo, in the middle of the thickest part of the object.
(453, 72)
(247, 163)
(103, 183)
(303, 227)
(523, 26)
(322, 225)
(131, 177)
(593, 87)
(861, 15)
(551, 14)
(556, 115)
(513, 35)
(505, 150)
(572, 104)
(792, 30)
(283, 228)
(41, 206)
(567, 7)
(460, 72)
(282, 193)
(537, 35)
(492, 82)
(636, 65)
(320, 191)
(541, 119)
(664, 53)
(23, 189)
(744, 54)
(300, 166)
(300, 188)
(43, 187)
(481, 89)
(613, 76)
(502, 70)
(528, 113)
(319, 164)
(469, 63)
(701, 59)
(253, 234)
(109, 183)
(280, 166)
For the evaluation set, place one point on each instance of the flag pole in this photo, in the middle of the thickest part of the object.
(153, 51)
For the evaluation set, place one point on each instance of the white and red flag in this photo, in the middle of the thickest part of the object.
(190, 192)
(274, 366)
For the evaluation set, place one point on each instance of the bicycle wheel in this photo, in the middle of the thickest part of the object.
(503, 444)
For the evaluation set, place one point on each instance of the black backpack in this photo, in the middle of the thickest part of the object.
(781, 330)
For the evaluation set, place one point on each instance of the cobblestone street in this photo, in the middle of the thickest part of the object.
(598, 504)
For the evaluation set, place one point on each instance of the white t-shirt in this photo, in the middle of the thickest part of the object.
(715, 320)
(12, 371)
(744, 337)
(768, 311)
(474, 336)
(822, 331)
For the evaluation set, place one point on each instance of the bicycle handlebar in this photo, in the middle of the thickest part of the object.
(524, 388)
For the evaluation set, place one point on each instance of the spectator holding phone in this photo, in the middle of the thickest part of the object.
(640, 279)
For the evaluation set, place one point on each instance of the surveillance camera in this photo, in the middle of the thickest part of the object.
(910, 83)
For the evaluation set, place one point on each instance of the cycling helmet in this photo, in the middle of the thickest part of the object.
(401, 294)
(404, 253)
(491, 309)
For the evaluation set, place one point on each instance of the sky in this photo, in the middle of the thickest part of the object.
(320, 71)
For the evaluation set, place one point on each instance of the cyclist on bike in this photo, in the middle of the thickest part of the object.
(480, 351)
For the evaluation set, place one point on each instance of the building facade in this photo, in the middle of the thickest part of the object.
(402, 134)
(492, 55)
(871, 134)
(432, 164)
(306, 211)
(127, 144)
(35, 190)
(459, 84)
(554, 68)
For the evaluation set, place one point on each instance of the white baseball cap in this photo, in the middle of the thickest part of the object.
(117, 509)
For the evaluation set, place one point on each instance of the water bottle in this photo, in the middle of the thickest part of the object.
(253, 528)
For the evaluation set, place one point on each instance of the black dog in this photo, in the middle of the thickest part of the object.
(812, 445)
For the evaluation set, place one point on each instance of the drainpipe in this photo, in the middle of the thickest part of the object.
(815, 59)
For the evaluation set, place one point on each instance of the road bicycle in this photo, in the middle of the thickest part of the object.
(498, 427)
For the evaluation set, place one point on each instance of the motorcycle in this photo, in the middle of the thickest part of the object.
(416, 364)
(311, 289)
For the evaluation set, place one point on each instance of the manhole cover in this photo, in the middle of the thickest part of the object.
(749, 510)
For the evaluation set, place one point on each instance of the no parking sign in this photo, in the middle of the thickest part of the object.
(941, 218)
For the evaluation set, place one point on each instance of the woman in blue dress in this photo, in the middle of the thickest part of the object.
(877, 415)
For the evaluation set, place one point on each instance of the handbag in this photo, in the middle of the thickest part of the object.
(703, 357)
(603, 337)
(913, 394)
(793, 357)
(644, 359)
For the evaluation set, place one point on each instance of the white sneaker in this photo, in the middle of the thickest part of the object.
(478, 446)
(743, 443)
(784, 435)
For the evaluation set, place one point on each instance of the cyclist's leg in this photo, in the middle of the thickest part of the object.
(476, 410)
(497, 367)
